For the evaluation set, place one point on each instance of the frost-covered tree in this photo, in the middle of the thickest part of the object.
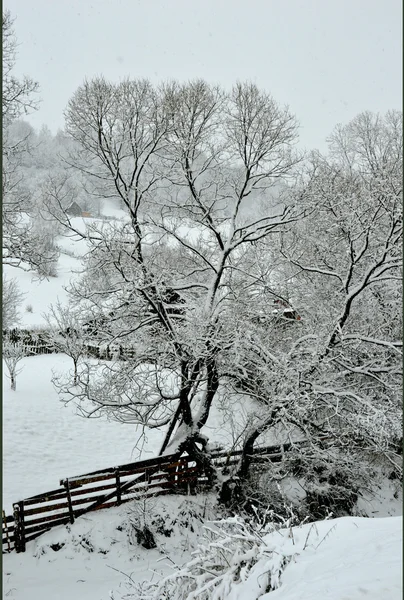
(24, 245)
(340, 377)
(13, 353)
(278, 303)
(12, 299)
(184, 160)
(63, 334)
(18, 95)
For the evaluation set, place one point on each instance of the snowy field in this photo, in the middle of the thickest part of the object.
(45, 440)
(342, 559)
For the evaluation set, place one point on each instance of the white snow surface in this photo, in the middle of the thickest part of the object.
(342, 559)
(45, 440)
(40, 294)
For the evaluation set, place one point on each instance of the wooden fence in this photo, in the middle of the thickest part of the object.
(111, 487)
(94, 491)
(36, 341)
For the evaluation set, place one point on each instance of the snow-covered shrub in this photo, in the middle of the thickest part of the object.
(313, 482)
(139, 525)
(331, 481)
(223, 560)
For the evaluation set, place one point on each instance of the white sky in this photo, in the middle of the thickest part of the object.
(327, 59)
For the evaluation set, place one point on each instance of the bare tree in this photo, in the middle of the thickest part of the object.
(64, 334)
(184, 160)
(13, 353)
(23, 244)
(18, 94)
(12, 299)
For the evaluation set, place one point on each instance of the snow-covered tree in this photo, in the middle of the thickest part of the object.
(12, 299)
(23, 243)
(63, 334)
(184, 160)
(18, 95)
(13, 353)
(279, 304)
(341, 376)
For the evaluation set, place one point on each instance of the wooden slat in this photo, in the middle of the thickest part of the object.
(69, 501)
(79, 492)
(87, 499)
(127, 467)
(44, 526)
(90, 490)
(44, 497)
(75, 483)
(42, 509)
(46, 519)
(85, 479)
(102, 506)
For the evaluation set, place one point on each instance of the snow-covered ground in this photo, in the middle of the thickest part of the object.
(39, 294)
(93, 559)
(45, 440)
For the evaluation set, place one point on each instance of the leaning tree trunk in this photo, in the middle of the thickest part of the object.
(232, 492)
(195, 444)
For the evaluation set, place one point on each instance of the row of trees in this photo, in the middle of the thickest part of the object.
(34, 170)
(24, 244)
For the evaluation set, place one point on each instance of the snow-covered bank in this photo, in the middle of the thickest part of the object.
(341, 559)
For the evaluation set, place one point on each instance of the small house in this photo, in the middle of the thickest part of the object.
(74, 210)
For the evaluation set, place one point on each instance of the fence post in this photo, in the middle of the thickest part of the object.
(5, 529)
(19, 531)
(69, 500)
(118, 488)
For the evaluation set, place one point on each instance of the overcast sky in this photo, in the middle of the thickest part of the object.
(327, 59)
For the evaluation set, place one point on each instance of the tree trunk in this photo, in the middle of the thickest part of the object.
(231, 492)
(200, 456)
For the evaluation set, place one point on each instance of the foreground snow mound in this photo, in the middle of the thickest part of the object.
(195, 557)
(343, 559)
(102, 550)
